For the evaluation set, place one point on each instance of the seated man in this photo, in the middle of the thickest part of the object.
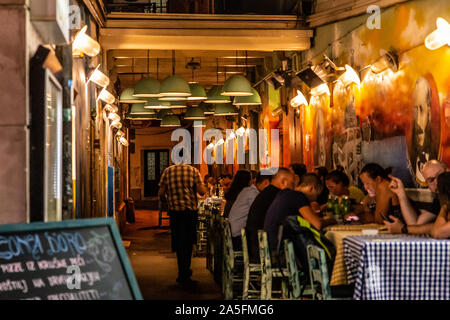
(283, 179)
(290, 202)
(441, 227)
(420, 222)
(241, 206)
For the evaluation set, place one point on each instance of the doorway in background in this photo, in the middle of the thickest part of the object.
(155, 161)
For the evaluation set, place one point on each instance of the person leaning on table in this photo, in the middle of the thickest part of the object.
(441, 227)
(417, 221)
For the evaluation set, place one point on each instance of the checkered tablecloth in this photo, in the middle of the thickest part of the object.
(398, 267)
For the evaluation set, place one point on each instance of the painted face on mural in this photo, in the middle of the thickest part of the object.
(422, 107)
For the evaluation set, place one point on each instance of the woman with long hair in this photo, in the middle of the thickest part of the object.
(376, 181)
(241, 180)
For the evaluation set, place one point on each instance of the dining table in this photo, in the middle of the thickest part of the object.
(398, 267)
(336, 234)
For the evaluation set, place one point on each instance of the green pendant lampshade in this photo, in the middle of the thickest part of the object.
(174, 86)
(138, 108)
(149, 116)
(170, 121)
(224, 109)
(197, 91)
(147, 88)
(194, 113)
(237, 85)
(199, 124)
(255, 99)
(154, 103)
(164, 112)
(177, 104)
(127, 96)
(214, 96)
(207, 109)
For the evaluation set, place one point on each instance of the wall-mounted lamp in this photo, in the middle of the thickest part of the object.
(349, 76)
(113, 117)
(240, 131)
(210, 146)
(110, 108)
(106, 96)
(320, 90)
(120, 133)
(439, 37)
(220, 142)
(387, 60)
(85, 44)
(99, 78)
(116, 124)
(299, 100)
(123, 141)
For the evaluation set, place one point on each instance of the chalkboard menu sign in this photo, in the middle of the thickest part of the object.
(69, 260)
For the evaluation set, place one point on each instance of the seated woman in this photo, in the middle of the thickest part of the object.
(376, 181)
(441, 227)
(339, 185)
(241, 180)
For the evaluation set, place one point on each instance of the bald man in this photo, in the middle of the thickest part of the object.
(283, 179)
(417, 221)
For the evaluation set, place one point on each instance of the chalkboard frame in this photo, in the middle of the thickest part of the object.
(83, 223)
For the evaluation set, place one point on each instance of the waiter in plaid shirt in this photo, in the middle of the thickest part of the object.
(180, 184)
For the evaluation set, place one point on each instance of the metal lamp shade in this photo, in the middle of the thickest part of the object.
(197, 91)
(170, 121)
(149, 116)
(175, 86)
(237, 85)
(194, 113)
(147, 88)
(154, 103)
(255, 99)
(164, 112)
(199, 124)
(214, 96)
(207, 109)
(177, 104)
(224, 109)
(127, 97)
(138, 108)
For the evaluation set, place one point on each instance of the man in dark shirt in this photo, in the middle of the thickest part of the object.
(283, 179)
(290, 202)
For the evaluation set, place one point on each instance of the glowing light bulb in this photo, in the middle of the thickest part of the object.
(439, 37)
(349, 76)
(220, 142)
(210, 146)
(240, 131)
(85, 44)
(320, 90)
(114, 116)
(123, 141)
(106, 96)
(99, 78)
(231, 136)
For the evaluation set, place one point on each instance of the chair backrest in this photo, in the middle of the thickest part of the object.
(318, 273)
(228, 251)
(245, 255)
(293, 273)
(264, 251)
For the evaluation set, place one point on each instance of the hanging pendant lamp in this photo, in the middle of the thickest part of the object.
(127, 97)
(174, 85)
(170, 121)
(197, 91)
(255, 99)
(148, 116)
(164, 112)
(177, 104)
(147, 87)
(207, 109)
(214, 96)
(224, 109)
(194, 113)
(138, 108)
(237, 85)
(154, 103)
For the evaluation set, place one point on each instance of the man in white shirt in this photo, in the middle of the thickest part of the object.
(239, 210)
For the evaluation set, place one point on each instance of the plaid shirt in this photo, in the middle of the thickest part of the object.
(181, 186)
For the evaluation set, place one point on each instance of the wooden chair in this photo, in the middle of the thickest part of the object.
(293, 272)
(252, 273)
(232, 266)
(319, 276)
(268, 273)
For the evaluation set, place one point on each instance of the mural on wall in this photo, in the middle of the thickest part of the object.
(397, 118)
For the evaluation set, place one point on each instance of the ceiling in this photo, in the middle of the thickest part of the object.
(214, 65)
